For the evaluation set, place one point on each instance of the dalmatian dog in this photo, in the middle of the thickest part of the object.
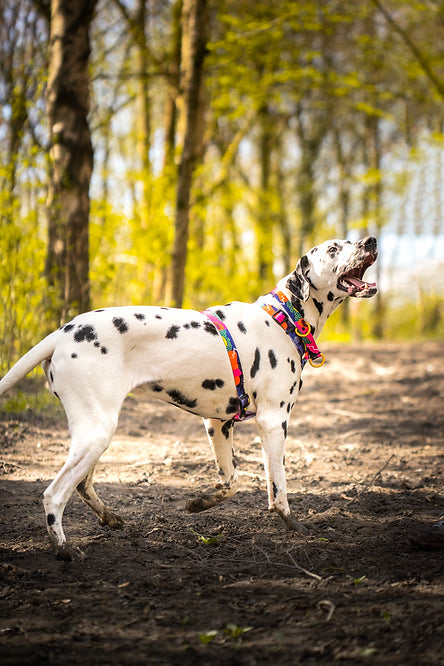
(96, 359)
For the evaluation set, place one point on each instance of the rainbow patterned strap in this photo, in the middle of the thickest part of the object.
(296, 328)
(236, 367)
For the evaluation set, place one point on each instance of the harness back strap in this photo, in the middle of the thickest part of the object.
(236, 367)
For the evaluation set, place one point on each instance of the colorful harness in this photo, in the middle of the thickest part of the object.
(291, 321)
(296, 327)
(236, 367)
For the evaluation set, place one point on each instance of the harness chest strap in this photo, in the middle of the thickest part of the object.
(236, 367)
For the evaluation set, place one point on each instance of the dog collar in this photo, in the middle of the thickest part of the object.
(295, 327)
(236, 367)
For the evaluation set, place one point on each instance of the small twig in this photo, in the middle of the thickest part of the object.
(371, 482)
(305, 571)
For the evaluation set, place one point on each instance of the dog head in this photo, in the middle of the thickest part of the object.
(335, 269)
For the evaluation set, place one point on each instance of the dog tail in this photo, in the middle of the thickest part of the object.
(42, 351)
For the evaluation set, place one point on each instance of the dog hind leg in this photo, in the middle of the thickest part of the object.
(88, 494)
(87, 445)
(220, 436)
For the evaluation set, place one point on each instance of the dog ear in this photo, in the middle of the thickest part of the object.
(298, 282)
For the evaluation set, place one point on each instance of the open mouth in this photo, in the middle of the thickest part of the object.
(352, 281)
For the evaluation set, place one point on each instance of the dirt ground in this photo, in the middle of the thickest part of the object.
(365, 467)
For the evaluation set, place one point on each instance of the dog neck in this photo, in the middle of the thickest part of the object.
(315, 310)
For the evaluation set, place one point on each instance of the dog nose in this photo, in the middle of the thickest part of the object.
(370, 244)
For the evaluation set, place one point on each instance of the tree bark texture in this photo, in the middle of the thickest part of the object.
(194, 34)
(71, 156)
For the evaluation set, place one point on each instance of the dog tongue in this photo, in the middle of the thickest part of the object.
(359, 285)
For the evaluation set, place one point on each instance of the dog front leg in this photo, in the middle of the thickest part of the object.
(273, 449)
(220, 436)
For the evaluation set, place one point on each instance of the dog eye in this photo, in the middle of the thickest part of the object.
(332, 250)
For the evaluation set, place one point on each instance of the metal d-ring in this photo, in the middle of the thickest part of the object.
(317, 365)
(303, 334)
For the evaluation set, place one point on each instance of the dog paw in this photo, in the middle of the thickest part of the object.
(292, 524)
(112, 520)
(200, 503)
(431, 538)
(68, 553)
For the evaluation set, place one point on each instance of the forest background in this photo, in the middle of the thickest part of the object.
(187, 152)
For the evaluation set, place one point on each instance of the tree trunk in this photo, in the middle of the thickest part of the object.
(265, 216)
(71, 156)
(170, 112)
(194, 32)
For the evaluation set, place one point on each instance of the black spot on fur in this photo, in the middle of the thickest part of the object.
(275, 490)
(233, 406)
(315, 249)
(241, 326)
(101, 310)
(292, 365)
(220, 314)
(211, 432)
(158, 317)
(187, 326)
(267, 322)
(96, 344)
(304, 262)
(226, 429)
(209, 327)
(120, 324)
(294, 284)
(195, 324)
(300, 384)
(319, 305)
(212, 384)
(104, 350)
(233, 459)
(85, 332)
(284, 427)
(172, 332)
(256, 363)
(297, 304)
(50, 519)
(180, 399)
(157, 388)
(330, 296)
(272, 358)
(289, 407)
(139, 316)
(73, 355)
(221, 472)
(68, 327)
(282, 403)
